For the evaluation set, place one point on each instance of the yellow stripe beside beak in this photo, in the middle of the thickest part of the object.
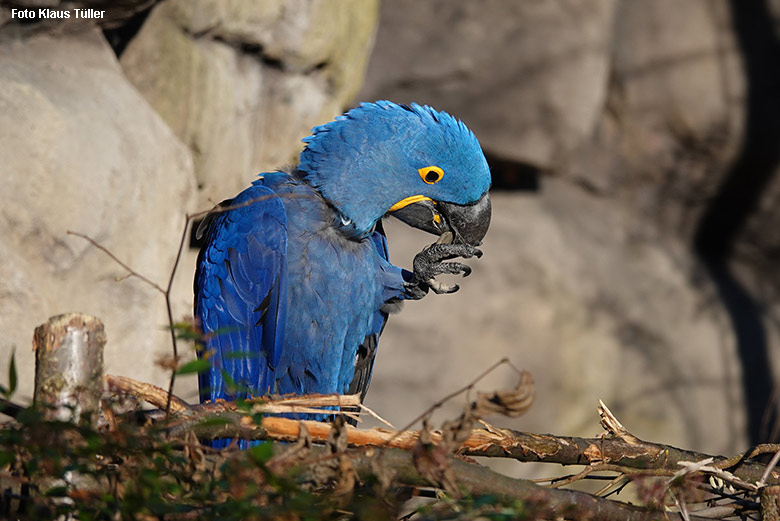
(409, 200)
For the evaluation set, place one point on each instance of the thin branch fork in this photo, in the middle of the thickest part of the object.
(308, 404)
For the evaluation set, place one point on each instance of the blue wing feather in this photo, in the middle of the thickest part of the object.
(241, 295)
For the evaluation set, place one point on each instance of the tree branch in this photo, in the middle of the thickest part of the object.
(625, 450)
(478, 480)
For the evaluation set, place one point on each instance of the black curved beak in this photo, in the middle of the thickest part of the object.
(468, 223)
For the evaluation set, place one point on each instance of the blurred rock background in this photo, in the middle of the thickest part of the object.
(634, 146)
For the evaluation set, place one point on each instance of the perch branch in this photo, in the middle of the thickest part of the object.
(622, 453)
(606, 454)
(479, 480)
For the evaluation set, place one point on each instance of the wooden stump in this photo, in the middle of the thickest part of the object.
(770, 503)
(69, 367)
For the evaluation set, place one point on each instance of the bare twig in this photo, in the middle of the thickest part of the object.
(716, 512)
(166, 293)
(10, 408)
(558, 483)
(762, 448)
(769, 468)
(130, 271)
(307, 404)
(620, 481)
(370, 412)
(681, 506)
(704, 467)
(468, 387)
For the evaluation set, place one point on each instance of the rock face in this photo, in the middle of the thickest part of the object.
(673, 114)
(530, 78)
(242, 82)
(81, 150)
(645, 269)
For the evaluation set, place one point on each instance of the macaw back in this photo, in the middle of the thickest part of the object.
(285, 298)
(241, 294)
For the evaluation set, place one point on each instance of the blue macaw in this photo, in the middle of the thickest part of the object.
(293, 284)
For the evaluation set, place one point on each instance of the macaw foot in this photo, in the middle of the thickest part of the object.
(430, 262)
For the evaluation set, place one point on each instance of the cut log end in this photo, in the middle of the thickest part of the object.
(69, 367)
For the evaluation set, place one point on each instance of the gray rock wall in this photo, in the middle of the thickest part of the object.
(241, 83)
(633, 115)
(81, 150)
(529, 78)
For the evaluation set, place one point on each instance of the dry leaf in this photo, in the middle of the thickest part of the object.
(510, 403)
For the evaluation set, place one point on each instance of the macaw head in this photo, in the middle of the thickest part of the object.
(412, 162)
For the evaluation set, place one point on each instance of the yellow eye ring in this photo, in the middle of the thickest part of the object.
(431, 174)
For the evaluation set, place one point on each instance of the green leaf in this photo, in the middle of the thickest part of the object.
(186, 331)
(229, 382)
(12, 376)
(261, 453)
(57, 491)
(194, 366)
(6, 458)
(29, 416)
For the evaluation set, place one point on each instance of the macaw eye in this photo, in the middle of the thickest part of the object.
(431, 174)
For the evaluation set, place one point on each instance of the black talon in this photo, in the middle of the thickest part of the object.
(430, 262)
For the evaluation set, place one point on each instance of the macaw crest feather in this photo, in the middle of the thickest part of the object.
(367, 160)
